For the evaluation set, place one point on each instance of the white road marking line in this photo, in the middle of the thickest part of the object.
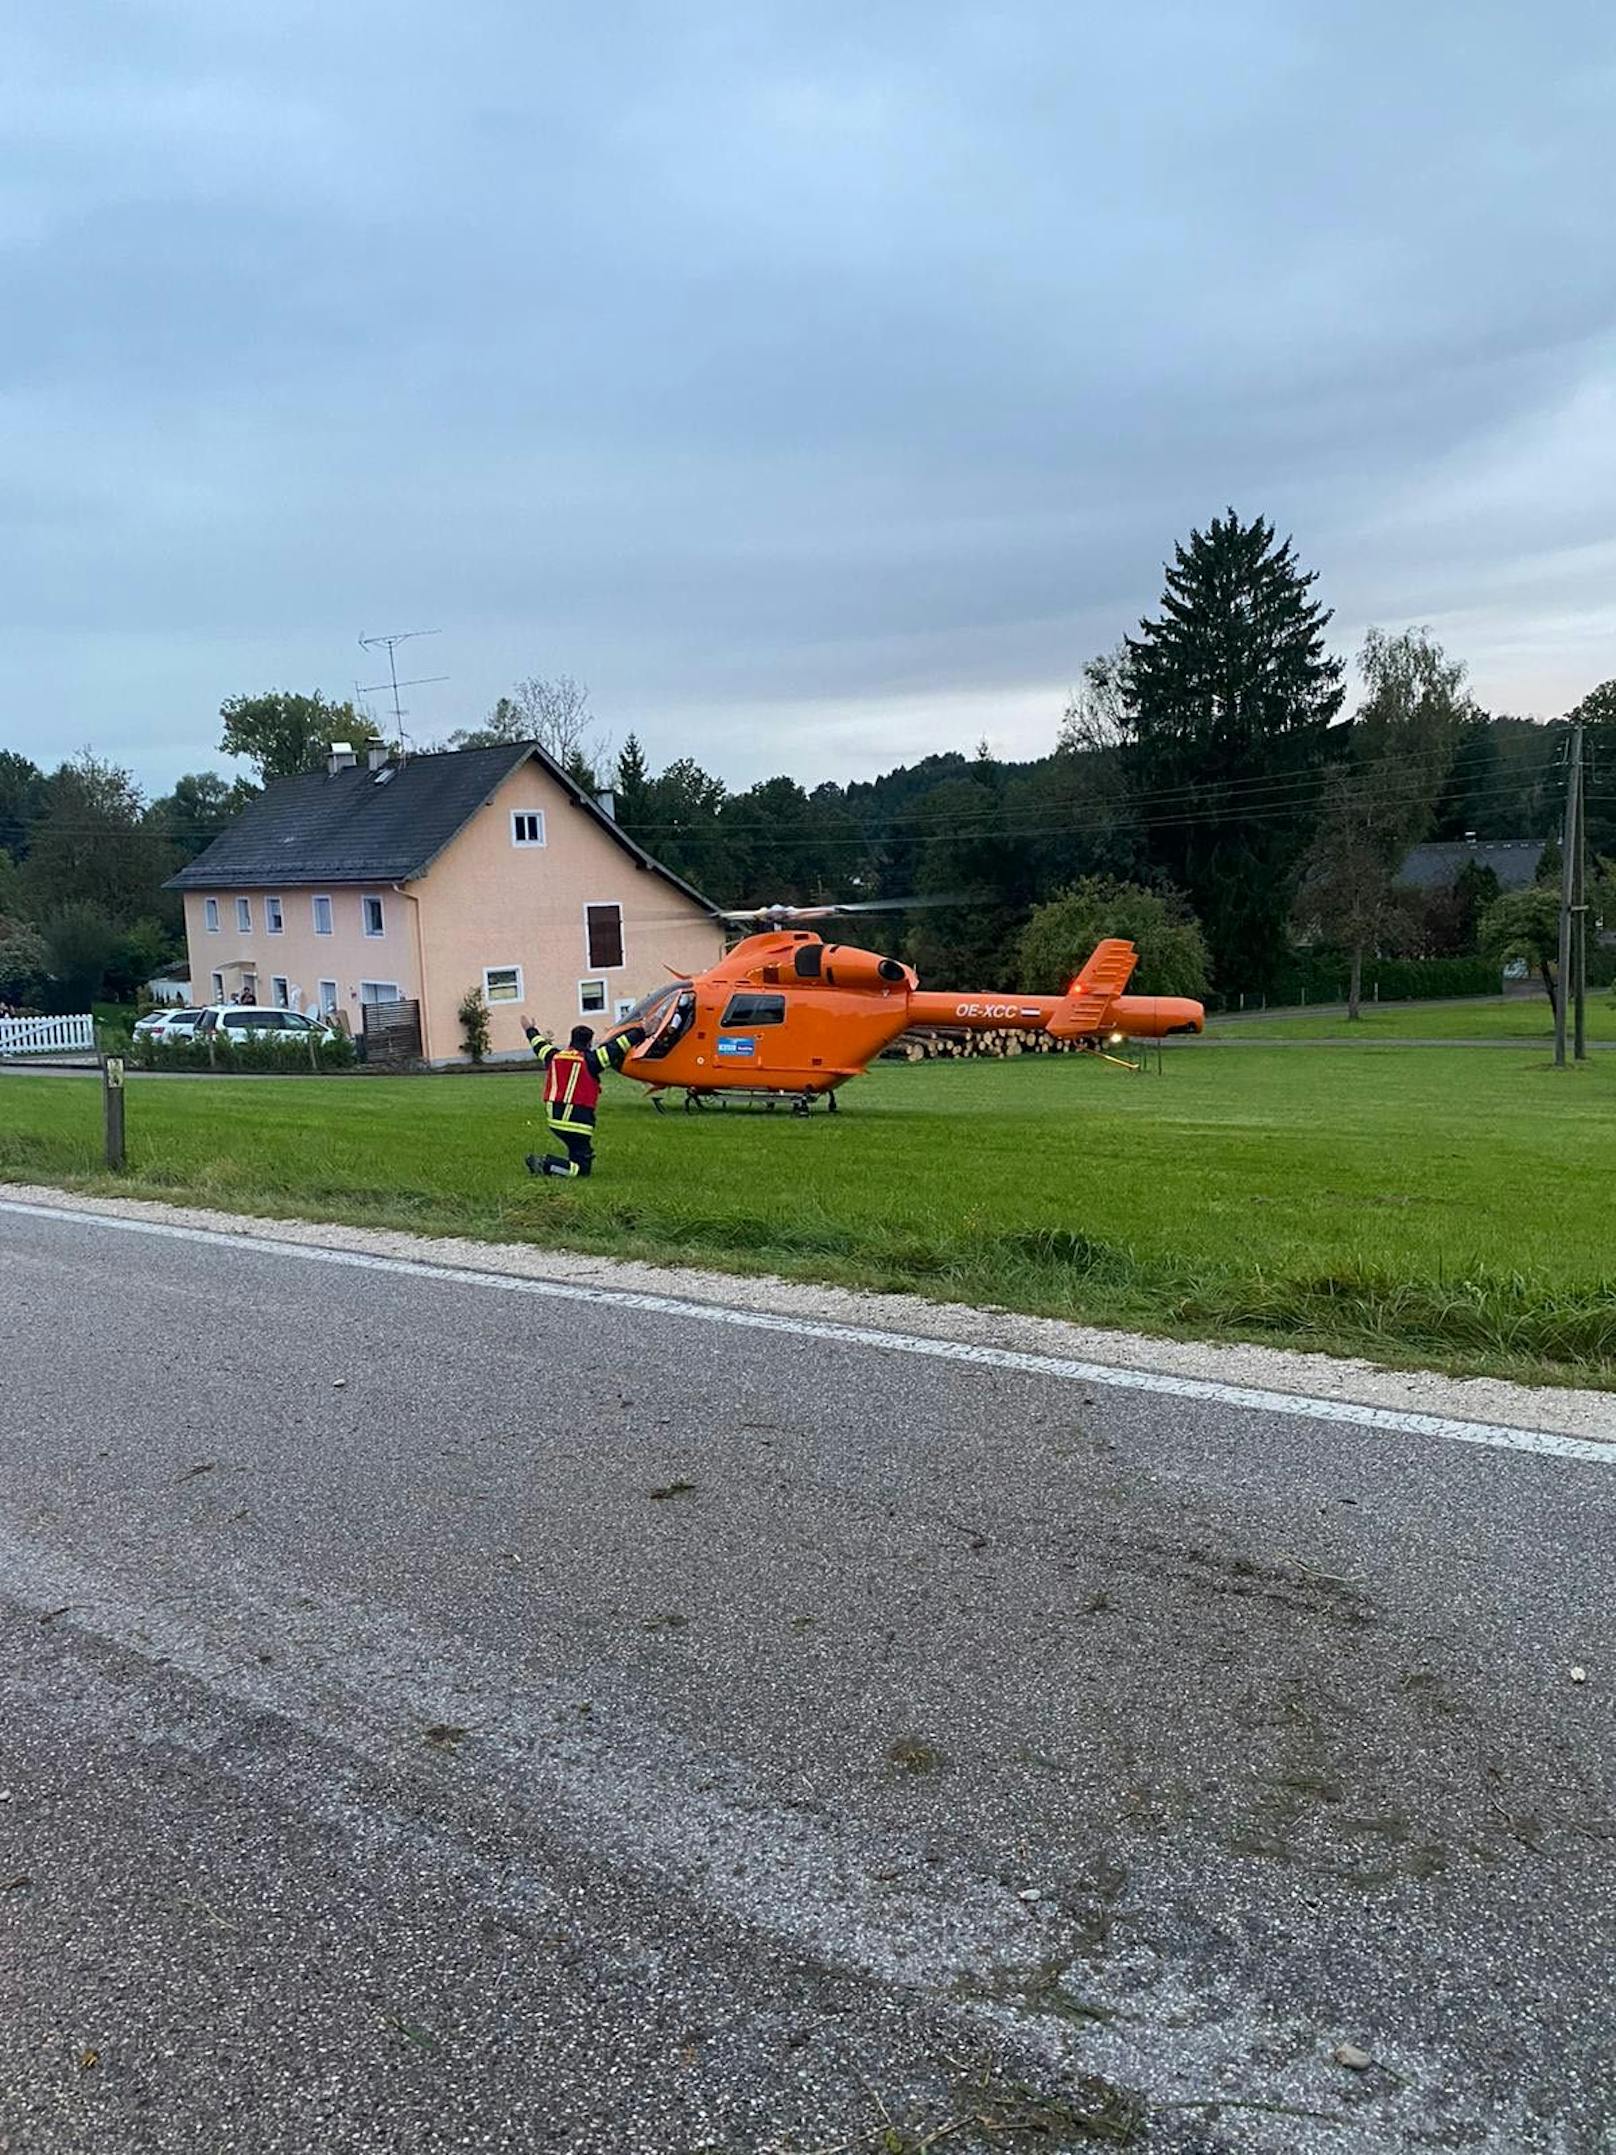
(1499, 1436)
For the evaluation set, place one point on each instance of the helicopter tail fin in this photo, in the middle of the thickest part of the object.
(1083, 1007)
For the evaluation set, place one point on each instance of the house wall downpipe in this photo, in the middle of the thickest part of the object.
(399, 891)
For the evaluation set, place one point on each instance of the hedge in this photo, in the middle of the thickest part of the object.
(275, 1058)
(1323, 976)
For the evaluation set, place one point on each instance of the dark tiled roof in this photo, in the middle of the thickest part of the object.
(1434, 867)
(345, 827)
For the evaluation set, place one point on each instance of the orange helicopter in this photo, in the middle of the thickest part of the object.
(787, 1015)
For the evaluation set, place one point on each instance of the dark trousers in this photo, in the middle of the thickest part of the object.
(580, 1147)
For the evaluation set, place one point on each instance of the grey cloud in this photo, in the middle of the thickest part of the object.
(787, 373)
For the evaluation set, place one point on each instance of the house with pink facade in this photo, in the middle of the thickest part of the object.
(379, 880)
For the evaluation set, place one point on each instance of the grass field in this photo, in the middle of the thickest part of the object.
(1443, 1206)
(1524, 1018)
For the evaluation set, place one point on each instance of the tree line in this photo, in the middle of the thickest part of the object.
(1207, 794)
(1207, 791)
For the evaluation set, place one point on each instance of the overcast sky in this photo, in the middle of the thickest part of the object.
(820, 383)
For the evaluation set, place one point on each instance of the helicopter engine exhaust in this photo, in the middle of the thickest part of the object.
(845, 967)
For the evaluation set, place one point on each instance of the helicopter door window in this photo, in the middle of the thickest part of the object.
(751, 1009)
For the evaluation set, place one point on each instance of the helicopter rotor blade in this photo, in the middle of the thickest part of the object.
(784, 916)
(898, 905)
(783, 913)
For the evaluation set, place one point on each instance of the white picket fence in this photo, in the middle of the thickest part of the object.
(48, 1036)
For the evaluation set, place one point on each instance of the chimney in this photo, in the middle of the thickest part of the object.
(606, 802)
(341, 758)
(376, 754)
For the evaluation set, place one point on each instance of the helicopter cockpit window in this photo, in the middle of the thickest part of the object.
(650, 1007)
(675, 1023)
(750, 1008)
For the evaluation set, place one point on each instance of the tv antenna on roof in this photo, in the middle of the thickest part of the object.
(390, 644)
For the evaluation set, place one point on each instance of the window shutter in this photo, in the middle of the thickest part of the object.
(605, 926)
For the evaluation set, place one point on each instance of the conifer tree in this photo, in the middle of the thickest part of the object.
(1226, 700)
(632, 779)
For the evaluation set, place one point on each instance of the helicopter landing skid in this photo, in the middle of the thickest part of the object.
(698, 1101)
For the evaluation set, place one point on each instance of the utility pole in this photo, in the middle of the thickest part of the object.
(1579, 907)
(1571, 884)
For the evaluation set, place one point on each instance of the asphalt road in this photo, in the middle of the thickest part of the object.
(434, 1717)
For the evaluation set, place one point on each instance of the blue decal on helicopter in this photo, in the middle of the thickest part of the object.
(739, 1044)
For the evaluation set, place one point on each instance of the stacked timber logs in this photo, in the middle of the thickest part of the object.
(938, 1045)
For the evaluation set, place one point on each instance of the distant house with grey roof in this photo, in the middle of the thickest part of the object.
(1514, 861)
(376, 880)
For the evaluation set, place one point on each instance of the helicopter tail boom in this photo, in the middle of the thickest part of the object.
(1092, 1005)
(983, 1013)
(1068, 1017)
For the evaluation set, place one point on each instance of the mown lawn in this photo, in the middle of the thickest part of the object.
(1443, 1205)
(1525, 1018)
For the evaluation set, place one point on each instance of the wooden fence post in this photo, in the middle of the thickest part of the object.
(112, 1107)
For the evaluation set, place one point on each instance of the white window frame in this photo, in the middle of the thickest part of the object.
(251, 1002)
(622, 936)
(622, 1007)
(244, 916)
(592, 1010)
(333, 1002)
(217, 982)
(316, 900)
(525, 815)
(274, 917)
(280, 992)
(397, 995)
(368, 899)
(489, 997)
(210, 915)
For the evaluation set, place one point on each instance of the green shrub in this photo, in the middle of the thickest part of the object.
(473, 1016)
(268, 1057)
(1061, 935)
(24, 960)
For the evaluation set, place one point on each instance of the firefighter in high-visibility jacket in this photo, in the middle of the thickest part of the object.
(572, 1078)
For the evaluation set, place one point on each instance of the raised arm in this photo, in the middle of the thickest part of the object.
(613, 1053)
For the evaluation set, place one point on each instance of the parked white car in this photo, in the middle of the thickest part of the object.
(238, 1022)
(170, 1021)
